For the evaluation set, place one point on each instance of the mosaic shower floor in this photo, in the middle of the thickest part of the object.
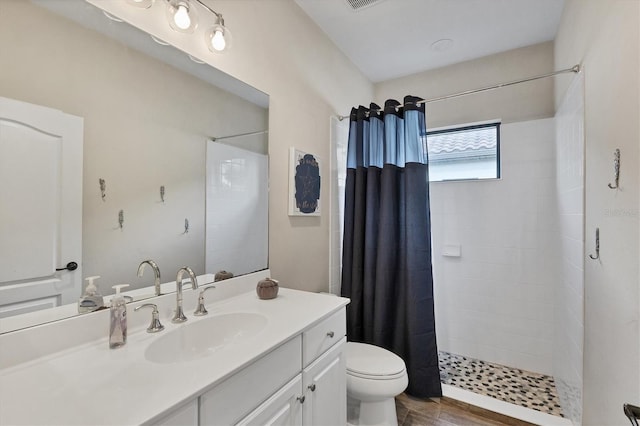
(524, 388)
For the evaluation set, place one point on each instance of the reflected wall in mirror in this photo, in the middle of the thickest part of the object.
(147, 122)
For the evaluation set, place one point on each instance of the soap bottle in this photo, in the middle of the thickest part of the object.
(92, 300)
(118, 328)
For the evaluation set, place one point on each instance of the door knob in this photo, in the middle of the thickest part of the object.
(71, 266)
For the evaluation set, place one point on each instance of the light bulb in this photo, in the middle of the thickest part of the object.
(181, 17)
(219, 38)
(217, 41)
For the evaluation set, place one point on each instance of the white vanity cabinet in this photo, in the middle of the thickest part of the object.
(302, 382)
(325, 388)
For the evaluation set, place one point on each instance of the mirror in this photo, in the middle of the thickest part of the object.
(154, 184)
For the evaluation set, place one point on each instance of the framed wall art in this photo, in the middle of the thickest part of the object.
(304, 183)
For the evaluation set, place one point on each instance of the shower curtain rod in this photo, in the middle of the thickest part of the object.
(573, 69)
(217, 138)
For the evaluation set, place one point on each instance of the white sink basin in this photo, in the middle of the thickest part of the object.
(204, 337)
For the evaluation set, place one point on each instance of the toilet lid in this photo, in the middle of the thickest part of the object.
(374, 361)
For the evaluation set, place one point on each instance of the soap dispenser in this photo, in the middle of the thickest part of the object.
(118, 328)
(92, 300)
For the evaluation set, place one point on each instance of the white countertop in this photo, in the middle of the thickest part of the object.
(92, 384)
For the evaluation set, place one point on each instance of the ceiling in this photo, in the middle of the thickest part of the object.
(387, 39)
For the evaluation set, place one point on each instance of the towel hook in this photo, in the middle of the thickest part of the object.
(121, 218)
(597, 256)
(186, 226)
(616, 168)
(103, 188)
(162, 193)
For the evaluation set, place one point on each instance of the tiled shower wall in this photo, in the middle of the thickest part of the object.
(569, 329)
(496, 301)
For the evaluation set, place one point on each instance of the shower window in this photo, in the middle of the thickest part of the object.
(464, 152)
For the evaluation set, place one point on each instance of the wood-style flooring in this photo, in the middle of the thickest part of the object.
(447, 412)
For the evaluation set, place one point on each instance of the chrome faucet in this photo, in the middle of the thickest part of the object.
(156, 271)
(179, 316)
(155, 325)
(201, 310)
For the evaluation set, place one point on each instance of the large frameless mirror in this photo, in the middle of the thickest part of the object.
(171, 164)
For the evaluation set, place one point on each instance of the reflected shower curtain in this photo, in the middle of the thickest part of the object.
(386, 264)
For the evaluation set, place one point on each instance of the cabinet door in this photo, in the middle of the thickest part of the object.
(325, 388)
(284, 408)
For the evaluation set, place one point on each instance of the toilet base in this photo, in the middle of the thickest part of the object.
(379, 413)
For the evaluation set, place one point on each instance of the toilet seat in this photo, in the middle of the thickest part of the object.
(373, 363)
(371, 377)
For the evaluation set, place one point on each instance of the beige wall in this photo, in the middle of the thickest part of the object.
(604, 36)
(521, 102)
(279, 50)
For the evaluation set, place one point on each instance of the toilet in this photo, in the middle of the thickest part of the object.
(375, 376)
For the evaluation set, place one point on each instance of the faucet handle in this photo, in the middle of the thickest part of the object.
(201, 310)
(155, 325)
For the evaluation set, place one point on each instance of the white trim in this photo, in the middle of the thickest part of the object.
(455, 126)
(497, 406)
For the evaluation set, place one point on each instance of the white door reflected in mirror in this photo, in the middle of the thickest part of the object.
(41, 213)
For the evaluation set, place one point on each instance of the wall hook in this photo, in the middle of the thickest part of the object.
(616, 168)
(162, 193)
(103, 188)
(597, 256)
(186, 226)
(121, 218)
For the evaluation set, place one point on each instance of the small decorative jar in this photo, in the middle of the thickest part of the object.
(222, 275)
(267, 289)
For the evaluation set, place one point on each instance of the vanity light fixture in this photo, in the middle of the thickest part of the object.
(142, 4)
(182, 15)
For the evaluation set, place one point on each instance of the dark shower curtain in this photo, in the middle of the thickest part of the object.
(386, 264)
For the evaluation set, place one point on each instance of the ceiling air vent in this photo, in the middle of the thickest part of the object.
(361, 4)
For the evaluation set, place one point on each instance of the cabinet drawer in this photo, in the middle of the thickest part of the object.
(323, 335)
(240, 394)
(283, 408)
